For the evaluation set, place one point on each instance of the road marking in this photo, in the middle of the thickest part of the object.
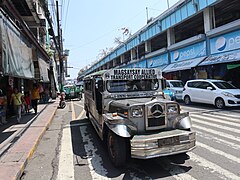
(225, 174)
(216, 120)
(81, 114)
(221, 114)
(79, 105)
(97, 171)
(222, 134)
(73, 111)
(216, 151)
(230, 144)
(66, 167)
(216, 125)
(226, 119)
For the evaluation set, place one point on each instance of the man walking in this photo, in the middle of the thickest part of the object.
(35, 97)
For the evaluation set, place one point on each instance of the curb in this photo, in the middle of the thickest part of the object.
(13, 163)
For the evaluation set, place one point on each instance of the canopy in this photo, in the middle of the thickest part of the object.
(182, 65)
(222, 58)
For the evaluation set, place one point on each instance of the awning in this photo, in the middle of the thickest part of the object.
(44, 68)
(183, 65)
(222, 58)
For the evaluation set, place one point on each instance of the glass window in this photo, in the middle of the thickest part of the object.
(134, 85)
(224, 85)
(177, 84)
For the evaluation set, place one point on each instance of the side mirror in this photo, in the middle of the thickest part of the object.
(209, 88)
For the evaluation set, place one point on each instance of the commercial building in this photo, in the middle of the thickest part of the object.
(192, 39)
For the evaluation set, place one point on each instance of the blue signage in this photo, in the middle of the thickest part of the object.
(225, 42)
(157, 61)
(141, 64)
(190, 52)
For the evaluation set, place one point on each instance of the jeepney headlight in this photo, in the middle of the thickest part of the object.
(137, 111)
(172, 108)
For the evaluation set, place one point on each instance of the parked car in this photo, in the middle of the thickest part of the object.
(174, 89)
(210, 91)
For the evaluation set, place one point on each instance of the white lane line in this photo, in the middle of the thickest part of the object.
(66, 167)
(223, 173)
(229, 144)
(221, 134)
(97, 171)
(216, 151)
(216, 125)
(73, 111)
(222, 115)
(81, 114)
(79, 105)
(217, 120)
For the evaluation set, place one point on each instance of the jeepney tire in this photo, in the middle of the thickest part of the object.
(117, 149)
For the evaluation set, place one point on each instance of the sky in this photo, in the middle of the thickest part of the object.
(90, 26)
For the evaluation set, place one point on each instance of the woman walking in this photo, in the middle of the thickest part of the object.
(18, 101)
(35, 97)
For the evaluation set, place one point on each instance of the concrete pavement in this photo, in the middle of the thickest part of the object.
(19, 141)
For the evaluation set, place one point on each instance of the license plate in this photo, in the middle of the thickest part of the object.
(168, 141)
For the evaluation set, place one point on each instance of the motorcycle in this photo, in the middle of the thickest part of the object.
(62, 103)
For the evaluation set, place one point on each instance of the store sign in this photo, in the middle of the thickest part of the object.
(157, 61)
(225, 42)
(190, 52)
(141, 64)
(222, 58)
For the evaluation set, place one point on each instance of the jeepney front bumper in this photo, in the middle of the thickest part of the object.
(162, 144)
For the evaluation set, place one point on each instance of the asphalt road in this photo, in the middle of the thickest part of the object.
(71, 149)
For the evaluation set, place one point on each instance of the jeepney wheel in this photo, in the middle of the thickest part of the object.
(117, 149)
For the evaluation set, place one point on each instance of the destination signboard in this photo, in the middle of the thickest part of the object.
(132, 74)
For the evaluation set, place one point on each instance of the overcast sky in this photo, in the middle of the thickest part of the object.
(91, 26)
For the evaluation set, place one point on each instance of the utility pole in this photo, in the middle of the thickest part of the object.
(60, 47)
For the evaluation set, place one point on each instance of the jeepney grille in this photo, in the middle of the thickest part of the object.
(155, 117)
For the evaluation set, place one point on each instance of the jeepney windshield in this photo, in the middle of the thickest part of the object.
(132, 85)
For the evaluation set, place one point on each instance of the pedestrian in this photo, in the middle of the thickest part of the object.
(35, 97)
(18, 102)
(3, 107)
(27, 101)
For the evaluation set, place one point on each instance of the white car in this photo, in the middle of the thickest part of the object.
(176, 87)
(210, 91)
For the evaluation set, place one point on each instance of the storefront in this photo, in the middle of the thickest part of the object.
(184, 60)
(224, 60)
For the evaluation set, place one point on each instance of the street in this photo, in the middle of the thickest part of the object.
(71, 149)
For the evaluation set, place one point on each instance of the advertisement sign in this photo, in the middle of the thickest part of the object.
(190, 52)
(225, 42)
(157, 61)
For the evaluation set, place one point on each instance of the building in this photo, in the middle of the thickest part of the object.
(25, 46)
(192, 39)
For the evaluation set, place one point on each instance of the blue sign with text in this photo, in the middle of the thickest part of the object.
(225, 42)
(157, 61)
(190, 52)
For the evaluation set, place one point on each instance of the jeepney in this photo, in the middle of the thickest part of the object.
(72, 91)
(129, 112)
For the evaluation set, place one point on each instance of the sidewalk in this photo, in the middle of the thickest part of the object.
(14, 160)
